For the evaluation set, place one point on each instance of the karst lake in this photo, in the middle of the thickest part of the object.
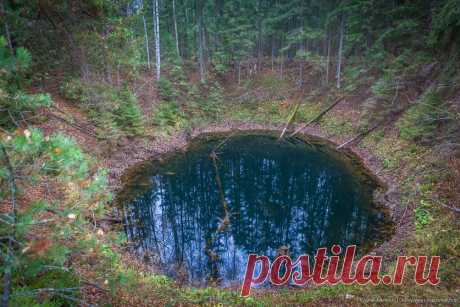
(196, 214)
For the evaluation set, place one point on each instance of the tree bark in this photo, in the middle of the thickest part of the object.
(176, 33)
(259, 39)
(301, 73)
(146, 41)
(7, 28)
(201, 40)
(328, 57)
(77, 54)
(186, 36)
(156, 29)
(239, 72)
(339, 63)
(273, 55)
(282, 66)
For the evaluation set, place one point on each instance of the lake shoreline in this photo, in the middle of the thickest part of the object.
(135, 152)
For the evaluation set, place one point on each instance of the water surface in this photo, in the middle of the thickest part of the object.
(198, 214)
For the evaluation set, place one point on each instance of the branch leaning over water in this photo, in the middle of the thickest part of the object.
(290, 120)
(222, 143)
(318, 117)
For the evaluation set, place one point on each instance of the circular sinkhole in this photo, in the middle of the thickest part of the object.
(196, 214)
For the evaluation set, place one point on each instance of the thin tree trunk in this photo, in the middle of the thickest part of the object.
(239, 72)
(156, 28)
(107, 59)
(78, 56)
(301, 67)
(185, 51)
(146, 41)
(273, 56)
(118, 74)
(339, 63)
(7, 28)
(8, 38)
(301, 73)
(328, 58)
(108, 72)
(175, 27)
(259, 39)
(281, 65)
(201, 40)
(260, 50)
(203, 33)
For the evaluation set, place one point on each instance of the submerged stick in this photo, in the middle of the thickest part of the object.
(220, 186)
(226, 220)
(213, 256)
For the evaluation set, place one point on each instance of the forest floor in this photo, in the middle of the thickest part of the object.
(392, 160)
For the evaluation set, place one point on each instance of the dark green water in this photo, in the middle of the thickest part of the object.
(198, 217)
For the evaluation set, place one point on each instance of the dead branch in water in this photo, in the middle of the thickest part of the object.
(220, 186)
(225, 222)
(213, 155)
(222, 143)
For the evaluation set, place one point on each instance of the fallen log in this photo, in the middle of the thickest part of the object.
(318, 117)
(359, 136)
(290, 119)
(391, 118)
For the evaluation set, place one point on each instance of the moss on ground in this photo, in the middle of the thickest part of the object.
(99, 254)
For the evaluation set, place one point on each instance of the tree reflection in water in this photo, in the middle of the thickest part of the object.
(278, 193)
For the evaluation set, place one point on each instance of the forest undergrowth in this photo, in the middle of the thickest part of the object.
(81, 94)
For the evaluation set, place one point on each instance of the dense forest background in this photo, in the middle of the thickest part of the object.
(79, 80)
(379, 49)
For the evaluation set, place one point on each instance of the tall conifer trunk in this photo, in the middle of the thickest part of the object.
(156, 29)
(340, 51)
(176, 33)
